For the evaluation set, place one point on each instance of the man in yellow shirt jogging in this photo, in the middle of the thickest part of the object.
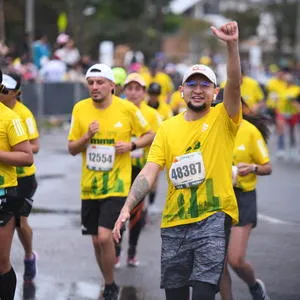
(101, 130)
(196, 147)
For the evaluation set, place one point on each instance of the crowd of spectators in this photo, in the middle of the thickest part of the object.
(43, 62)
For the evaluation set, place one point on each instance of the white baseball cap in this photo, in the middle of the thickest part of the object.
(9, 82)
(100, 70)
(200, 69)
(135, 77)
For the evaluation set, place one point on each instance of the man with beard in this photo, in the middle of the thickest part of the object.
(196, 147)
(101, 130)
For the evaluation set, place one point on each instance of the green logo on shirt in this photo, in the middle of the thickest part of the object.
(196, 146)
(103, 141)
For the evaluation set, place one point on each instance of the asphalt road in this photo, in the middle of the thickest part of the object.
(67, 268)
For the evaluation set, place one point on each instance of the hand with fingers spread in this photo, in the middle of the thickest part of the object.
(227, 32)
(120, 223)
(93, 129)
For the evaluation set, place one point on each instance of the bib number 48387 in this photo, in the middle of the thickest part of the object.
(187, 170)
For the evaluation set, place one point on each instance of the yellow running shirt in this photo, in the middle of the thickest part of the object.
(164, 110)
(139, 156)
(163, 79)
(32, 132)
(251, 91)
(12, 132)
(286, 96)
(275, 87)
(104, 173)
(251, 148)
(197, 153)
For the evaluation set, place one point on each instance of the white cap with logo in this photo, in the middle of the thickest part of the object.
(100, 70)
(9, 82)
(200, 69)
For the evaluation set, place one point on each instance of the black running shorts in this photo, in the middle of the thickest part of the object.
(26, 189)
(247, 207)
(100, 213)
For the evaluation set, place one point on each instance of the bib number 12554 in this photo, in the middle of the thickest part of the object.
(100, 158)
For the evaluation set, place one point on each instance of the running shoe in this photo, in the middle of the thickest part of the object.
(30, 267)
(111, 292)
(259, 292)
(117, 262)
(133, 262)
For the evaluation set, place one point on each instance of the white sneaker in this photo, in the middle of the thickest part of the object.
(118, 263)
(280, 154)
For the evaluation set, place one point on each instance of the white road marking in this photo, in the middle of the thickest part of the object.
(273, 220)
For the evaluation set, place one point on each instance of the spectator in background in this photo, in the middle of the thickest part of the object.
(54, 70)
(69, 53)
(86, 62)
(61, 40)
(75, 74)
(40, 50)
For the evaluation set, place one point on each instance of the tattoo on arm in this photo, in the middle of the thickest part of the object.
(138, 192)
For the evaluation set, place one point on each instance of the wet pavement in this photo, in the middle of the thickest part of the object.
(67, 267)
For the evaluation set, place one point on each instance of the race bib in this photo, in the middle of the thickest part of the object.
(100, 158)
(187, 170)
(137, 153)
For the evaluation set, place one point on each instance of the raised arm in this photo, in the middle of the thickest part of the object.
(139, 189)
(229, 33)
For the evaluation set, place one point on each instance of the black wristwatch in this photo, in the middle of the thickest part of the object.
(133, 146)
(255, 169)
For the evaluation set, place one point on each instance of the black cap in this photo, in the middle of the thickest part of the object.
(154, 89)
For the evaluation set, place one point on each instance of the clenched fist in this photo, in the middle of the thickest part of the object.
(227, 32)
(93, 129)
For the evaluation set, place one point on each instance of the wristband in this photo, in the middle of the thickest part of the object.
(133, 146)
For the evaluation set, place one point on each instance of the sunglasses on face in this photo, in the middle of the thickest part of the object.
(194, 83)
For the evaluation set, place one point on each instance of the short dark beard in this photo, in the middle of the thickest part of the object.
(196, 108)
(98, 100)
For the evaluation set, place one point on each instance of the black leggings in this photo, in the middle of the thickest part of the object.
(136, 223)
(201, 291)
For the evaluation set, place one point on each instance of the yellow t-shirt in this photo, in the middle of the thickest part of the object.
(250, 91)
(32, 132)
(275, 87)
(161, 78)
(251, 148)
(177, 103)
(118, 122)
(139, 156)
(164, 110)
(285, 98)
(213, 135)
(12, 132)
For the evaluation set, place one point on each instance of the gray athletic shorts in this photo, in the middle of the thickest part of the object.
(194, 252)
